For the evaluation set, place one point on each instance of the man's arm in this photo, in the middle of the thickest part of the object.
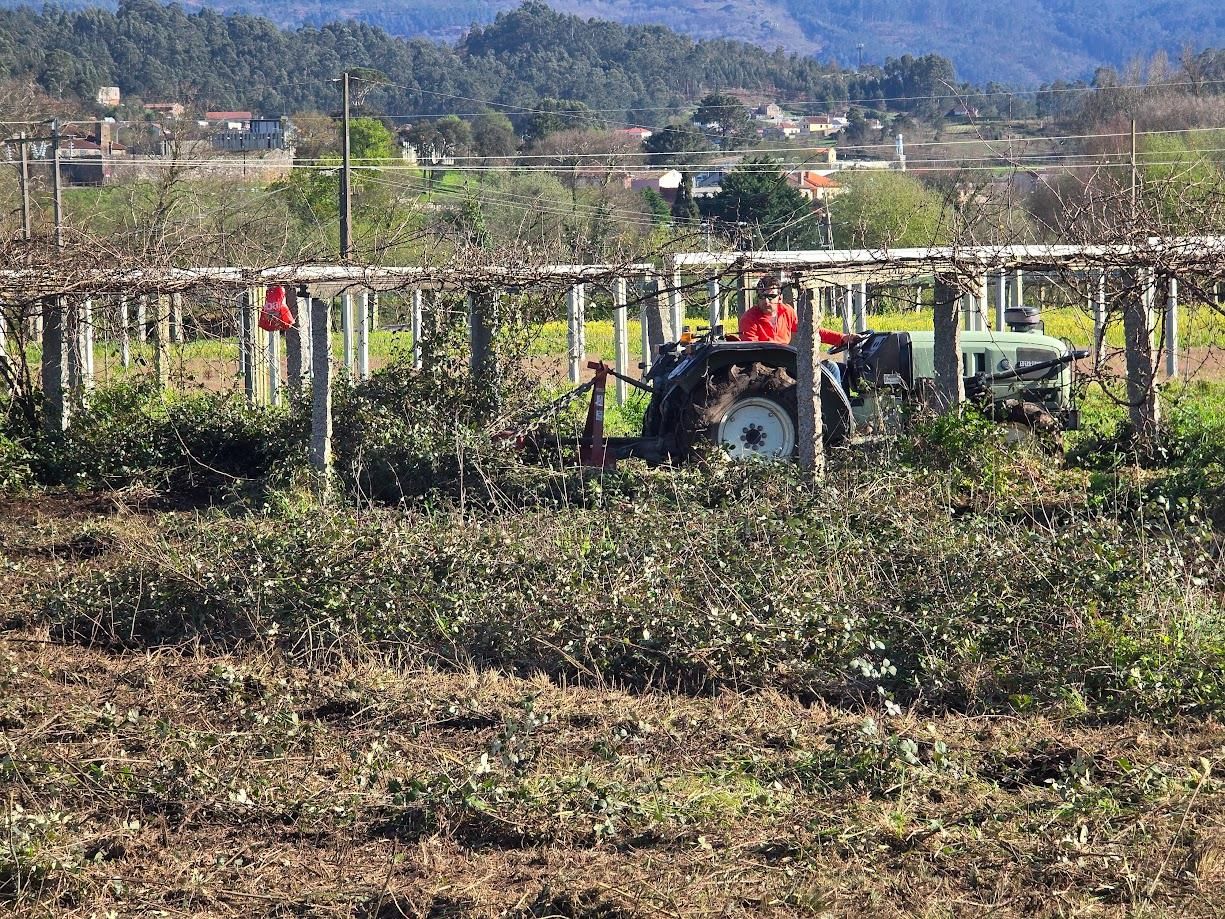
(830, 337)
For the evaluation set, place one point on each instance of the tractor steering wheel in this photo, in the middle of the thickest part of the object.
(858, 339)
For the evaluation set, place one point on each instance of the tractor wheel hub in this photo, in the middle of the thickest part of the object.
(757, 427)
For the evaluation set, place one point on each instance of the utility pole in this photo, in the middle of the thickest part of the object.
(1133, 171)
(55, 183)
(26, 228)
(346, 177)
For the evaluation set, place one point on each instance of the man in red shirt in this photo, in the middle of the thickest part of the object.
(770, 319)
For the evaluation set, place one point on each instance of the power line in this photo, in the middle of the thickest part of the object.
(1033, 160)
(793, 149)
(529, 204)
(951, 96)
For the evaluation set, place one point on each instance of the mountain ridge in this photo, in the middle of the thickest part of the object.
(1015, 42)
(1020, 42)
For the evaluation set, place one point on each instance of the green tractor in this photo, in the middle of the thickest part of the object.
(741, 396)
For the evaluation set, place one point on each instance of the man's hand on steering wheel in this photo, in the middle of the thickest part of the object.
(848, 341)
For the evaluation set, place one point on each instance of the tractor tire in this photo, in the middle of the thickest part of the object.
(751, 412)
(1029, 423)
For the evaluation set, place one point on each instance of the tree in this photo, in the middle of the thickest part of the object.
(424, 136)
(658, 206)
(685, 208)
(879, 209)
(598, 156)
(370, 139)
(554, 115)
(455, 133)
(757, 193)
(314, 135)
(856, 131)
(730, 114)
(493, 135)
(675, 143)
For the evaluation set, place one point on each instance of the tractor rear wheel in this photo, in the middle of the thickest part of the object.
(751, 411)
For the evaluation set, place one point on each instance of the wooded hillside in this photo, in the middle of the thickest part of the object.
(1026, 41)
(631, 74)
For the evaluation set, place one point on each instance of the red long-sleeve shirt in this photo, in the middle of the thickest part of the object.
(780, 327)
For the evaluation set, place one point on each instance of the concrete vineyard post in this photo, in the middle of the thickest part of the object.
(74, 354)
(1143, 405)
(482, 326)
(416, 326)
(369, 305)
(621, 344)
(161, 341)
(983, 304)
(1099, 320)
(54, 367)
(274, 367)
(713, 295)
(574, 355)
(321, 389)
(644, 328)
(655, 329)
(676, 306)
(950, 386)
(1171, 329)
(1001, 299)
(246, 343)
(580, 292)
(87, 345)
(808, 388)
(293, 340)
(125, 332)
(346, 330)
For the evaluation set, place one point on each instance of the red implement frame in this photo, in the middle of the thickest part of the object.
(593, 450)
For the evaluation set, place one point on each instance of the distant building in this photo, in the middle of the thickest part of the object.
(636, 134)
(168, 109)
(818, 124)
(826, 156)
(85, 159)
(814, 186)
(233, 121)
(108, 96)
(258, 134)
(708, 184)
(770, 112)
(597, 177)
(664, 182)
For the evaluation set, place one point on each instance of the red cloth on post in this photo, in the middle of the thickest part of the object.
(275, 316)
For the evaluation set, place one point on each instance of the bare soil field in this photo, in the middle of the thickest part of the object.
(189, 781)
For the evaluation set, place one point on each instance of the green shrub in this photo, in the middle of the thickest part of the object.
(16, 466)
(732, 577)
(191, 446)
